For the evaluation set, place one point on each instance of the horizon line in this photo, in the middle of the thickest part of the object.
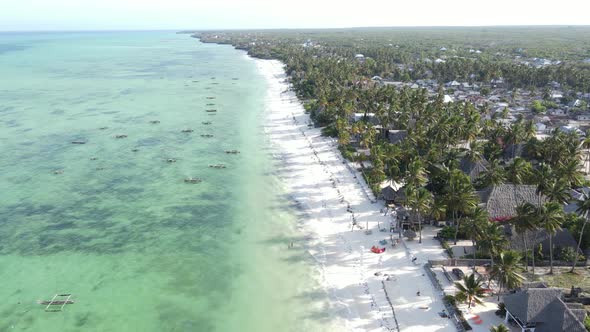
(300, 28)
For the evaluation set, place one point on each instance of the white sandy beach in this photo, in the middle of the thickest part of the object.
(329, 191)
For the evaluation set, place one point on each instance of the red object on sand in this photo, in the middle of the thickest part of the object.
(377, 250)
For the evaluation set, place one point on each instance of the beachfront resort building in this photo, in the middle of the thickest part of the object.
(543, 310)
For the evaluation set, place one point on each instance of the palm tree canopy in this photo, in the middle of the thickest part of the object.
(460, 195)
(558, 190)
(471, 289)
(551, 216)
(493, 238)
(506, 270)
(583, 204)
(416, 174)
(525, 218)
(499, 328)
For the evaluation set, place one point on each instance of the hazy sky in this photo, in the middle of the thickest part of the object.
(235, 14)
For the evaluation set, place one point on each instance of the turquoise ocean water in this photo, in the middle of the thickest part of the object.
(112, 221)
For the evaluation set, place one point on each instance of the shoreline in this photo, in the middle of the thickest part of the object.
(331, 193)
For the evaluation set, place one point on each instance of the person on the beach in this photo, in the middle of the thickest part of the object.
(418, 293)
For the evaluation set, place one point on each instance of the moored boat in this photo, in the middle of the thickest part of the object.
(217, 166)
(192, 180)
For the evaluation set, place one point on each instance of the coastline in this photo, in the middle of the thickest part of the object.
(329, 191)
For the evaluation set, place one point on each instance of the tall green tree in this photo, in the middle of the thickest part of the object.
(519, 171)
(506, 272)
(499, 328)
(416, 175)
(493, 240)
(569, 172)
(459, 196)
(525, 222)
(420, 201)
(471, 290)
(551, 216)
(494, 174)
(584, 210)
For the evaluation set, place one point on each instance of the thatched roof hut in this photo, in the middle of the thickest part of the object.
(393, 192)
(474, 169)
(501, 200)
(545, 310)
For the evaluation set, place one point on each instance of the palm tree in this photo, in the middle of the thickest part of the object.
(550, 217)
(569, 172)
(506, 271)
(420, 201)
(524, 222)
(543, 175)
(494, 174)
(439, 209)
(519, 171)
(558, 191)
(586, 148)
(459, 196)
(471, 290)
(499, 328)
(475, 226)
(493, 239)
(416, 175)
(584, 210)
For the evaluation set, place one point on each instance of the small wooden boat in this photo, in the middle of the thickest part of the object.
(103, 128)
(134, 150)
(121, 136)
(57, 302)
(210, 104)
(206, 135)
(214, 83)
(78, 142)
(171, 160)
(206, 122)
(155, 121)
(100, 168)
(235, 78)
(192, 180)
(187, 130)
(217, 166)
(232, 151)
(58, 171)
(210, 97)
(211, 110)
(93, 158)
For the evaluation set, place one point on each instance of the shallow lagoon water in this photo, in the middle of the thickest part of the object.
(139, 249)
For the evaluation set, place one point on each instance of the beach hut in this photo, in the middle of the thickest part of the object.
(393, 192)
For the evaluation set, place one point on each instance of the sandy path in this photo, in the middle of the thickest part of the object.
(331, 192)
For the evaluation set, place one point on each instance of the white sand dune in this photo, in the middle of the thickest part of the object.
(330, 192)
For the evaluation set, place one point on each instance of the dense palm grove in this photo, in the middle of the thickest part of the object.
(438, 135)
